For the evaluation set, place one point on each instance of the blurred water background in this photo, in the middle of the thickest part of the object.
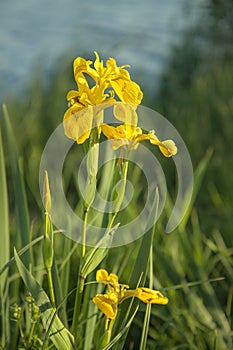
(37, 33)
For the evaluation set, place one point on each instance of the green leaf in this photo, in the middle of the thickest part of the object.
(19, 188)
(59, 335)
(122, 331)
(94, 257)
(141, 264)
(4, 247)
(139, 269)
(21, 252)
(146, 323)
(198, 179)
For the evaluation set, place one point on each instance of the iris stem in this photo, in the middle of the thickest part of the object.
(121, 194)
(92, 169)
(51, 289)
(84, 232)
(78, 299)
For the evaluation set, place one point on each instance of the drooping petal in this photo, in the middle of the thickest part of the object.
(106, 304)
(127, 91)
(78, 123)
(150, 296)
(126, 113)
(168, 148)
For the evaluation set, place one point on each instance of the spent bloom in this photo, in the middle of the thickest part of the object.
(108, 302)
(110, 83)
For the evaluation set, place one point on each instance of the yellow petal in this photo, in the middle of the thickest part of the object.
(168, 148)
(101, 275)
(106, 304)
(127, 91)
(150, 296)
(126, 113)
(78, 123)
(108, 130)
(113, 278)
(132, 131)
(99, 65)
(129, 294)
(72, 94)
(83, 66)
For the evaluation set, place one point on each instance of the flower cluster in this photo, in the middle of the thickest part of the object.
(108, 302)
(111, 86)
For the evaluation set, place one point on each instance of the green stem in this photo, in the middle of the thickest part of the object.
(107, 334)
(84, 232)
(92, 168)
(77, 305)
(121, 194)
(51, 289)
(31, 333)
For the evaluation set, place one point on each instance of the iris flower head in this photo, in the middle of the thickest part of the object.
(117, 293)
(110, 83)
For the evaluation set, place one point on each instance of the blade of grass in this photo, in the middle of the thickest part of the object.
(65, 269)
(146, 322)
(19, 189)
(140, 268)
(90, 314)
(4, 248)
(122, 331)
(59, 335)
(59, 296)
(198, 179)
(141, 264)
(21, 252)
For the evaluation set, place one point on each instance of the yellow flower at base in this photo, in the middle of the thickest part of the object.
(117, 293)
(126, 135)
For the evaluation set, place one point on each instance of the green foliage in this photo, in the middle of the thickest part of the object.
(4, 246)
(58, 334)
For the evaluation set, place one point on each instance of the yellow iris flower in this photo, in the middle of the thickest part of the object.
(109, 82)
(108, 302)
(129, 136)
